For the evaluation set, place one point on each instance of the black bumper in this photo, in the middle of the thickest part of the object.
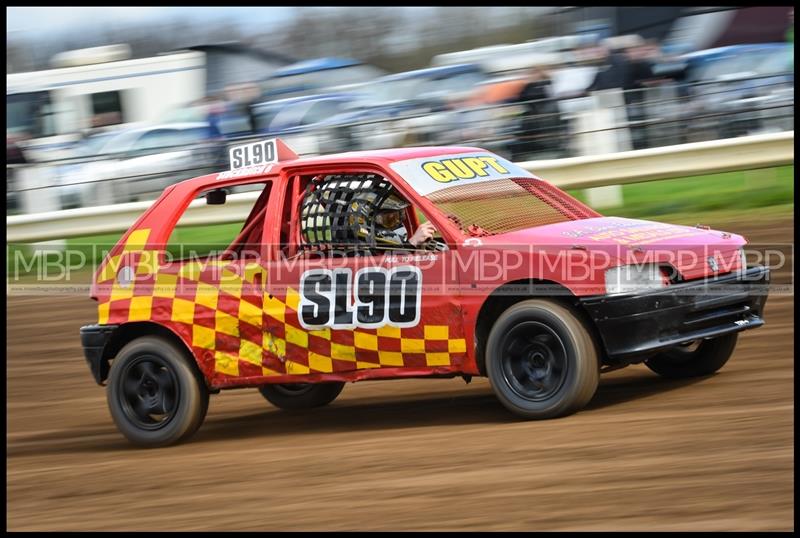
(635, 325)
(93, 340)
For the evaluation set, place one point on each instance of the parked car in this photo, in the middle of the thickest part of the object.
(414, 107)
(730, 88)
(303, 121)
(312, 76)
(138, 163)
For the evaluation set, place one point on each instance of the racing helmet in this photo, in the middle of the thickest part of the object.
(342, 210)
(370, 216)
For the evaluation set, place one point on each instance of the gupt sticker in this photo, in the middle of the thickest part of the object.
(329, 298)
(447, 170)
(430, 174)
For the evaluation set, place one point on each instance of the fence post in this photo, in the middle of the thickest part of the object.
(609, 122)
(39, 200)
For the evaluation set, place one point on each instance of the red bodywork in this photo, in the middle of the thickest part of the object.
(252, 335)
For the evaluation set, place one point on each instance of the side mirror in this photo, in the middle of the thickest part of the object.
(216, 197)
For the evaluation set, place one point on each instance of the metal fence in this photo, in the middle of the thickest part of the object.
(603, 122)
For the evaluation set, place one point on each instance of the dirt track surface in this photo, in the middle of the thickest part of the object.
(715, 453)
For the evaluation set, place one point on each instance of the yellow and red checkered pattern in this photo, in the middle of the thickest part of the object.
(237, 329)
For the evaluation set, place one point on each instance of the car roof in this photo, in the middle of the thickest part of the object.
(434, 72)
(709, 54)
(313, 66)
(377, 157)
(179, 126)
(303, 98)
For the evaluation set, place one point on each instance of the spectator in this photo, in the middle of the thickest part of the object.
(614, 71)
(541, 128)
(642, 58)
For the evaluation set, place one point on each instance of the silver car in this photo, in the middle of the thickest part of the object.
(137, 164)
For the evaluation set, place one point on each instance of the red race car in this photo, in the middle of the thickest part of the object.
(414, 262)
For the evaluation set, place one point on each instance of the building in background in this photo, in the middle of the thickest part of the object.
(234, 64)
(47, 111)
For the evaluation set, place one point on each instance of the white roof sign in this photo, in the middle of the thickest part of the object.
(427, 175)
(253, 154)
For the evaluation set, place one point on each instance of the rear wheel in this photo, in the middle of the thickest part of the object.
(541, 360)
(694, 359)
(155, 395)
(296, 396)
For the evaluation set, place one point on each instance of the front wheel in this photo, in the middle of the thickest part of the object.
(541, 360)
(295, 396)
(694, 359)
(156, 396)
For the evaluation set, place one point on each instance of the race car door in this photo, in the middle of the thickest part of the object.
(337, 309)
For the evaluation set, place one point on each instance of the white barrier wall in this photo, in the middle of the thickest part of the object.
(745, 153)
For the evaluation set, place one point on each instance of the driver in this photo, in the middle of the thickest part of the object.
(389, 225)
(384, 224)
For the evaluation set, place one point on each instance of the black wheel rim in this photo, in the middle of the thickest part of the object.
(150, 392)
(294, 389)
(534, 361)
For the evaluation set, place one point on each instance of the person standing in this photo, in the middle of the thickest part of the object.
(540, 128)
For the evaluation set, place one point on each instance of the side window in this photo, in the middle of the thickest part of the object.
(289, 116)
(240, 239)
(107, 109)
(264, 115)
(321, 111)
(348, 214)
(152, 140)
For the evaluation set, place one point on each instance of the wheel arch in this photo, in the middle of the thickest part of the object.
(128, 332)
(510, 293)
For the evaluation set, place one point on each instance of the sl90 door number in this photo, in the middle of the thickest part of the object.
(376, 297)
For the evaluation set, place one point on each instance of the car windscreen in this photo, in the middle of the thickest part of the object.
(165, 138)
(506, 205)
(484, 194)
(264, 114)
(94, 145)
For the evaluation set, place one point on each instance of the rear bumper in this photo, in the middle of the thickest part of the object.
(93, 340)
(638, 324)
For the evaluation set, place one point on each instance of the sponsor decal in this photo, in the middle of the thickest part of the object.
(430, 174)
(447, 170)
(247, 171)
(627, 232)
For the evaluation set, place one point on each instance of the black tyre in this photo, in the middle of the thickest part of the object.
(697, 358)
(297, 396)
(541, 360)
(157, 397)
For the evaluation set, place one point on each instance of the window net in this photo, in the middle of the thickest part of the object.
(337, 211)
(506, 205)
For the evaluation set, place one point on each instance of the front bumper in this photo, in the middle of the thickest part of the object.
(94, 339)
(635, 325)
